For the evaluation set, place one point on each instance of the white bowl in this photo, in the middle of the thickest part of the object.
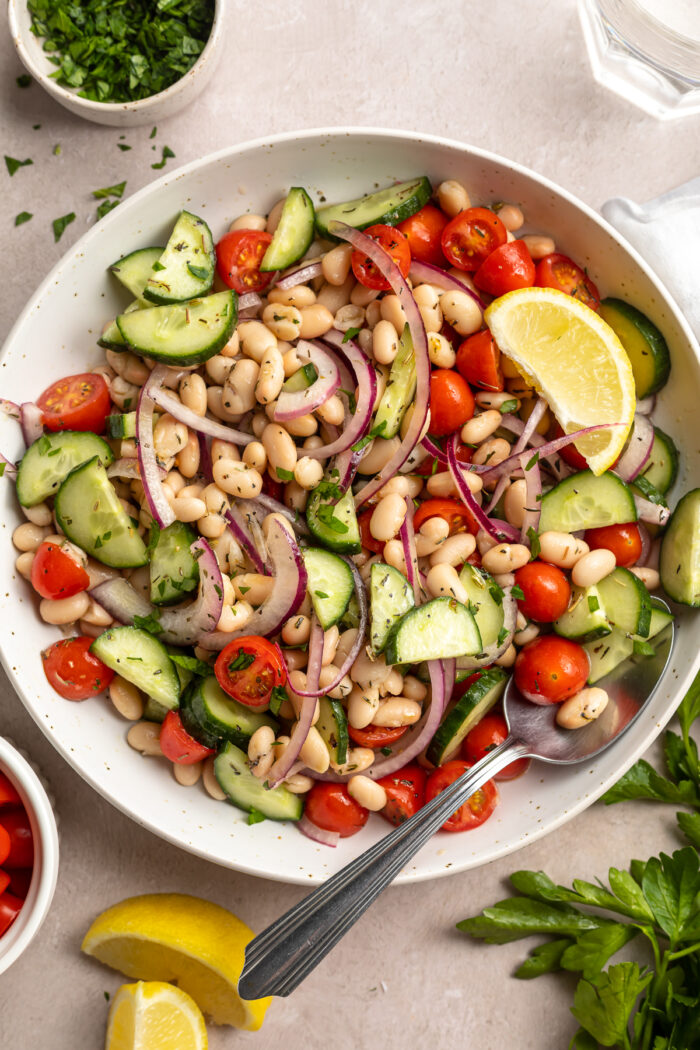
(55, 335)
(116, 114)
(45, 870)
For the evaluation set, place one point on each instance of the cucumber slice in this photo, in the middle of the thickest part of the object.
(302, 379)
(246, 791)
(50, 459)
(333, 726)
(334, 525)
(111, 338)
(135, 269)
(663, 463)
(584, 501)
(679, 562)
(485, 602)
(143, 660)
(438, 630)
(626, 601)
(400, 389)
(88, 511)
(471, 707)
(154, 711)
(390, 206)
(330, 585)
(185, 269)
(585, 619)
(607, 653)
(181, 335)
(643, 342)
(294, 233)
(390, 598)
(174, 572)
(211, 716)
(121, 426)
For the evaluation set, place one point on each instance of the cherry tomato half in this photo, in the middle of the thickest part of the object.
(624, 541)
(396, 246)
(249, 669)
(457, 516)
(329, 806)
(376, 736)
(505, 269)
(451, 401)
(560, 272)
(20, 881)
(56, 573)
(177, 744)
(366, 537)
(478, 807)
(238, 257)
(479, 361)
(569, 453)
(546, 591)
(405, 792)
(76, 403)
(551, 669)
(429, 466)
(10, 907)
(487, 734)
(471, 236)
(8, 794)
(16, 824)
(73, 671)
(5, 880)
(4, 844)
(423, 231)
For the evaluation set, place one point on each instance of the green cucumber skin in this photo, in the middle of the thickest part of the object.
(245, 791)
(121, 426)
(134, 328)
(618, 315)
(341, 542)
(608, 653)
(294, 233)
(478, 584)
(403, 648)
(587, 501)
(174, 572)
(623, 586)
(142, 660)
(328, 575)
(679, 561)
(581, 623)
(662, 471)
(471, 707)
(210, 730)
(42, 470)
(400, 389)
(391, 597)
(175, 283)
(134, 269)
(332, 724)
(388, 207)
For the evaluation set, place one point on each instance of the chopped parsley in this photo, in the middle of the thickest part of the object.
(24, 81)
(351, 333)
(325, 515)
(534, 542)
(149, 623)
(531, 462)
(642, 648)
(255, 816)
(110, 191)
(13, 164)
(106, 207)
(508, 406)
(593, 603)
(198, 271)
(241, 662)
(277, 698)
(517, 592)
(190, 663)
(167, 152)
(320, 594)
(284, 475)
(24, 216)
(56, 150)
(123, 146)
(60, 224)
(153, 132)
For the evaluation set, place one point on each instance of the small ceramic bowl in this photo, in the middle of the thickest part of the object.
(45, 870)
(116, 114)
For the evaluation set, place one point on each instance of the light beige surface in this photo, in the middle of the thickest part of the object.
(507, 76)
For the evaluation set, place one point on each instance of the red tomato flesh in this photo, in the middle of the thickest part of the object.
(238, 257)
(487, 734)
(5, 880)
(329, 806)
(396, 246)
(20, 881)
(451, 401)
(177, 744)
(479, 361)
(79, 402)
(376, 736)
(560, 272)
(624, 541)
(9, 795)
(4, 844)
(366, 537)
(10, 907)
(15, 823)
(570, 454)
(452, 511)
(471, 236)
(249, 668)
(546, 591)
(56, 573)
(505, 269)
(423, 231)
(550, 669)
(73, 671)
(405, 792)
(478, 807)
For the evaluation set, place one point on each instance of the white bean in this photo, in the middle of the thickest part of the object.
(359, 758)
(145, 737)
(461, 311)
(444, 580)
(248, 222)
(188, 774)
(480, 427)
(561, 548)
(593, 567)
(582, 708)
(236, 478)
(314, 753)
(492, 452)
(283, 320)
(378, 454)
(649, 577)
(60, 611)
(362, 706)
(270, 376)
(505, 557)
(316, 320)
(281, 450)
(388, 517)
(188, 509)
(385, 342)
(29, 537)
(440, 351)
(336, 264)
(239, 389)
(455, 550)
(211, 784)
(452, 197)
(126, 698)
(367, 792)
(261, 753)
(40, 514)
(397, 712)
(24, 564)
(538, 245)
(511, 216)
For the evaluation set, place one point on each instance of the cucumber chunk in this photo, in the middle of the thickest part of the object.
(49, 460)
(173, 570)
(334, 525)
(135, 269)
(584, 501)
(390, 597)
(181, 335)
(88, 511)
(679, 561)
(643, 343)
(471, 707)
(400, 389)
(390, 207)
(333, 726)
(438, 630)
(153, 711)
(143, 660)
(302, 379)
(211, 716)
(330, 585)
(294, 232)
(626, 601)
(662, 470)
(485, 602)
(246, 791)
(585, 619)
(121, 426)
(185, 269)
(606, 654)
(111, 338)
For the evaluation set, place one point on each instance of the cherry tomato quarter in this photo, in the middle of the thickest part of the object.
(508, 267)
(423, 231)
(73, 671)
(624, 541)
(550, 669)
(396, 246)
(405, 792)
(478, 807)
(329, 806)
(560, 272)
(471, 236)
(569, 453)
(546, 591)
(15, 822)
(56, 573)
(9, 795)
(239, 254)
(457, 516)
(479, 361)
(376, 736)
(177, 744)
(10, 907)
(487, 734)
(451, 401)
(79, 402)
(249, 668)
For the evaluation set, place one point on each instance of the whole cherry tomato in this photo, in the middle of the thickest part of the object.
(4, 846)
(8, 793)
(451, 401)
(423, 231)
(177, 744)
(10, 907)
(238, 257)
(487, 734)
(478, 807)
(249, 668)
(624, 541)
(76, 403)
(73, 671)
(56, 573)
(329, 806)
(405, 792)
(15, 822)
(471, 236)
(560, 272)
(551, 669)
(479, 361)
(394, 243)
(546, 591)
(505, 269)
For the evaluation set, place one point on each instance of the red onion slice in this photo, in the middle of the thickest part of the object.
(200, 424)
(426, 273)
(245, 526)
(158, 504)
(292, 405)
(249, 301)
(636, 456)
(205, 464)
(653, 513)
(32, 422)
(408, 542)
(388, 268)
(121, 600)
(10, 470)
(273, 506)
(128, 468)
(287, 595)
(313, 667)
(282, 767)
(644, 536)
(9, 408)
(356, 424)
(316, 834)
(433, 449)
(533, 495)
(419, 736)
(497, 529)
(645, 407)
(530, 426)
(542, 452)
(497, 649)
(300, 275)
(449, 670)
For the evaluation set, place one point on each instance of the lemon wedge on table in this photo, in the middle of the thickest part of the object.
(175, 937)
(154, 1016)
(574, 360)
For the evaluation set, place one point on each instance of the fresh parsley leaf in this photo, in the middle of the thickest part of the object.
(198, 271)
(24, 81)
(351, 333)
(149, 623)
(22, 217)
(386, 751)
(508, 406)
(593, 603)
(545, 958)
(106, 207)
(110, 191)
(517, 592)
(154, 131)
(603, 1004)
(255, 816)
(284, 475)
(123, 146)
(320, 594)
(277, 698)
(643, 648)
(643, 782)
(44, 445)
(56, 150)
(591, 951)
(157, 266)
(14, 165)
(534, 539)
(241, 662)
(60, 224)
(191, 663)
(325, 514)
(167, 152)
(531, 462)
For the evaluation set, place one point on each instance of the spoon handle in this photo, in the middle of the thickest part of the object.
(279, 959)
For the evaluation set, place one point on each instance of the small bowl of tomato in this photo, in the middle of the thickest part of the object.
(28, 854)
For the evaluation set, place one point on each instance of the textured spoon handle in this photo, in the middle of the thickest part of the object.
(285, 953)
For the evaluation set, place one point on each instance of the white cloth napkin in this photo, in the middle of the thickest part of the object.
(666, 232)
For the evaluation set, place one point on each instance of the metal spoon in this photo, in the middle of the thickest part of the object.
(279, 959)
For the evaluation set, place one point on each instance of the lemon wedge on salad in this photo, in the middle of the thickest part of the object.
(574, 360)
(175, 937)
(154, 1016)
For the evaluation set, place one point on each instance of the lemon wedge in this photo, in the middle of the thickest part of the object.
(574, 360)
(175, 937)
(154, 1016)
